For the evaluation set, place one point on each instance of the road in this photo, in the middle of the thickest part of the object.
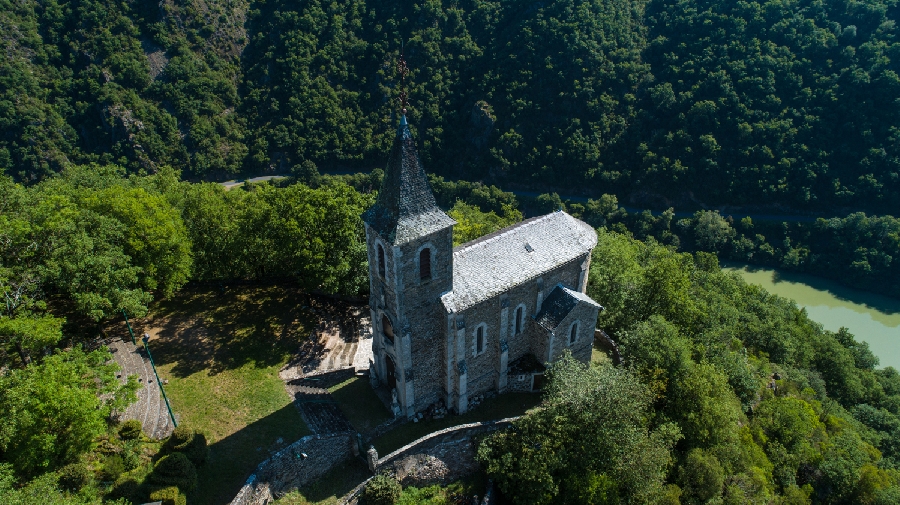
(240, 182)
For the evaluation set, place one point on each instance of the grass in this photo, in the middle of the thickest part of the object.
(599, 356)
(499, 407)
(331, 487)
(443, 495)
(221, 353)
(360, 404)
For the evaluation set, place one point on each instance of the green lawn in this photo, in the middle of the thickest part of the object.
(221, 353)
(360, 404)
(339, 481)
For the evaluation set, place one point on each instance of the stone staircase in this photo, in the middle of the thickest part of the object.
(317, 407)
(150, 407)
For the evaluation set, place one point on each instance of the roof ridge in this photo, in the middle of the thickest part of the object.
(504, 231)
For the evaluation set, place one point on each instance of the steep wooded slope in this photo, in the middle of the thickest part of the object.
(756, 103)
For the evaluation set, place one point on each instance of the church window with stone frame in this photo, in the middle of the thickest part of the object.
(573, 333)
(387, 329)
(425, 264)
(381, 267)
(520, 319)
(479, 340)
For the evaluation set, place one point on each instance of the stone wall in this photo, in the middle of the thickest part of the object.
(514, 385)
(499, 314)
(586, 316)
(446, 440)
(414, 308)
(296, 465)
(607, 344)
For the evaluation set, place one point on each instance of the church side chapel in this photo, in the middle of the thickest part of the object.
(450, 324)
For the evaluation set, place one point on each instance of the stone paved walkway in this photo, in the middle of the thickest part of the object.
(150, 408)
(339, 347)
(316, 405)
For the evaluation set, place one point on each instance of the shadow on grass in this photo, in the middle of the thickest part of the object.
(206, 329)
(234, 458)
(214, 329)
(360, 405)
(329, 488)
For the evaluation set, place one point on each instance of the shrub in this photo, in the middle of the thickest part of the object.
(197, 450)
(130, 429)
(74, 477)
(382, 490)
(191, 443)
(131, 455)
(180, 437)
(113, 467)
(175, 470)
(128, 489)
(168, 496)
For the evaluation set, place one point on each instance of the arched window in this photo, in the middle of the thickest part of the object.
(573, 333)
(479, 340)
(387, 329)
(381, 268)
(520, 313)
(425, 264)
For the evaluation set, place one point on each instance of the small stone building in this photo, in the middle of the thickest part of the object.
(487, 316)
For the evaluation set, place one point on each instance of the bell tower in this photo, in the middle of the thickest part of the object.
(410, 250)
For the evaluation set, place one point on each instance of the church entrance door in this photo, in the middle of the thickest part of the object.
(389, 366)
(538, 382)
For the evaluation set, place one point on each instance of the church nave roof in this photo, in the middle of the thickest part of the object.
(495, 263)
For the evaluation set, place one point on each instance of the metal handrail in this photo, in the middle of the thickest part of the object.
(158, 382)
(129, 327)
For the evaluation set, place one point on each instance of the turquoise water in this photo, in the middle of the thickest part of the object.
(871, 318)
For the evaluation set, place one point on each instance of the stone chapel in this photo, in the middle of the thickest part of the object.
(487, 316)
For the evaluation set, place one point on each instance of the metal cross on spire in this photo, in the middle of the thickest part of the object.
(402, 69)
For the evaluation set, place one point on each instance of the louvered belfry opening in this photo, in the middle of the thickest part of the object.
(387, 329)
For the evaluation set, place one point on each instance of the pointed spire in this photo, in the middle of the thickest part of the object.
(405, 208)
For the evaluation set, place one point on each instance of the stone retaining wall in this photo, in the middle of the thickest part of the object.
(296, 465)
(448, 436)
(608, 345)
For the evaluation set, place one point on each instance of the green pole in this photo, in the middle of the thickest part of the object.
(129, 327)
(161, 388)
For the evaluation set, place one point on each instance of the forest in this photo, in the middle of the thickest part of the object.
(787, 105)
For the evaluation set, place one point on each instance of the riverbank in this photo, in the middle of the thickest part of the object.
(871, 318)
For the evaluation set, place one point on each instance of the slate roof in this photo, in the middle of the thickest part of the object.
(558, 304)
(405, 208)
(502, 260)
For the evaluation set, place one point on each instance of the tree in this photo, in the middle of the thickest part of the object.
(53, 410)
(711, 231)
(30, 335)
(472, 223)
(790, 432)
(589, 442)
(701, 477)
(211, 216)
(155, 236)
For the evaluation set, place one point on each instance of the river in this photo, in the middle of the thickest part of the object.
(872, 318)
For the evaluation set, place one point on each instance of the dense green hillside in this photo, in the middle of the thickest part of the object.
(753, 103)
